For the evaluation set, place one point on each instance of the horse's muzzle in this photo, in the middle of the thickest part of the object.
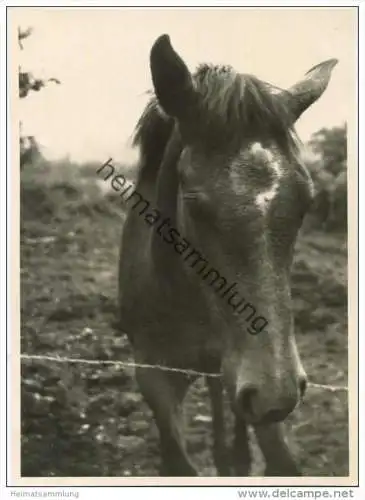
(250, 404)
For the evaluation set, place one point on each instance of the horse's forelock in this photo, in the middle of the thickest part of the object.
(243, 104)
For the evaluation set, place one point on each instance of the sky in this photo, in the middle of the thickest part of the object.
(101, 57)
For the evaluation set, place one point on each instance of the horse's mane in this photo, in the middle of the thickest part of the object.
(152, 134)
(231, 106)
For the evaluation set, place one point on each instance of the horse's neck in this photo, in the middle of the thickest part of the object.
(166, 191)
(165, 268)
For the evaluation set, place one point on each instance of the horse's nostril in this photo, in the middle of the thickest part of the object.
(245, 401)
(303, 383)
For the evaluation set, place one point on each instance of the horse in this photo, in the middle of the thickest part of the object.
(206, 251)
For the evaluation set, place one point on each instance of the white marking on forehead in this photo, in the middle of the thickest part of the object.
(264, 199)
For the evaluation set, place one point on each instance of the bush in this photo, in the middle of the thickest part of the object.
(327, 163)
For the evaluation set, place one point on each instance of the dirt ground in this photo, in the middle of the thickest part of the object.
(86, 420)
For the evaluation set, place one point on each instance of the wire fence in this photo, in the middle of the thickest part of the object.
(130, 364)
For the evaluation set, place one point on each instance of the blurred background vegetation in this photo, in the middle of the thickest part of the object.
(82, 420)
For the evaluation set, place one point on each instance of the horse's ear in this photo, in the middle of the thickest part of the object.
(304, 93)
(171, 78)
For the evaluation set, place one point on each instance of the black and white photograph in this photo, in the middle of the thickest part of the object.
(185, 182)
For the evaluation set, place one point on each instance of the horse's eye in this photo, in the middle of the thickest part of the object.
(196, 196)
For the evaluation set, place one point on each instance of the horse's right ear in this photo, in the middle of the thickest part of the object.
(304, 93)
(171, 78)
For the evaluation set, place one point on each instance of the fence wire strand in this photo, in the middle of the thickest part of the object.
(130, 364)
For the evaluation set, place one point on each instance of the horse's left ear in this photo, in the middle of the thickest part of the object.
(171, 78)
(304, 93)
